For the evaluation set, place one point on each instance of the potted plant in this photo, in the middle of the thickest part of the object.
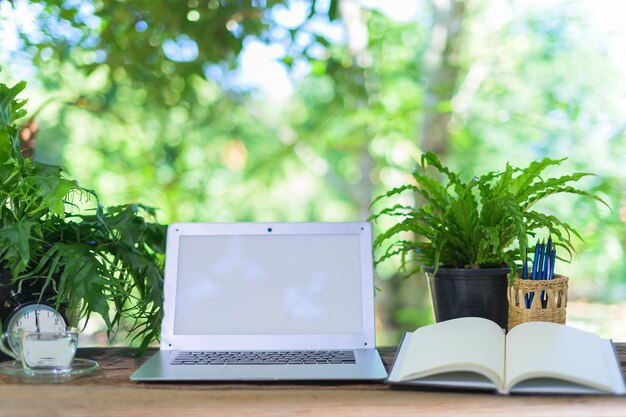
(470, 235)
(58, 242)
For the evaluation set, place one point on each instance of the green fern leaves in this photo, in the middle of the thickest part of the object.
(482, 223)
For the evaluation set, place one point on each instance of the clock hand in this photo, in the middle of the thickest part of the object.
(37, 321)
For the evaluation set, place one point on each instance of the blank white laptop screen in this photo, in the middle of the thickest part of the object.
(269, 285)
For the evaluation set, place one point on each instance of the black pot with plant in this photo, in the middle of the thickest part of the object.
(55, 236)
(469, 236)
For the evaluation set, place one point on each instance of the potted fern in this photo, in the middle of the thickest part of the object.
(60, 245)
(469, 236)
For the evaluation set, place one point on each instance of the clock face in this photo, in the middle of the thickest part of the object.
(31, 317)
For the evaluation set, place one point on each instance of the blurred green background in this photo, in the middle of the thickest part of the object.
(267, 110)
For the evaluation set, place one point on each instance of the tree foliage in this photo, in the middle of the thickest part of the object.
(157, 46)
(175, 132)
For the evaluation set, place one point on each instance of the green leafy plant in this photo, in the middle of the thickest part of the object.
(481, 223)
(55, 233)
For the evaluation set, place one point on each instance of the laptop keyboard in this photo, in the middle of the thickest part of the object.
(265, 358)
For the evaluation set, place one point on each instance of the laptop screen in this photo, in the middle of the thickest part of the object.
(269, 284)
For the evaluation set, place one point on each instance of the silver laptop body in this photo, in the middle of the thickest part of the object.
(267, 302)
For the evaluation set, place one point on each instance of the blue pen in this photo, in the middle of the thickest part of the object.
(540, 264)
(530, 296)
(525, 276)
(553, 256)
(542, 250)
(534, 273)
(546, 262)
(547, 267)
(545, 275)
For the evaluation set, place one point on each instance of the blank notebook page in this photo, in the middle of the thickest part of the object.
(546, 348)
(461, 342)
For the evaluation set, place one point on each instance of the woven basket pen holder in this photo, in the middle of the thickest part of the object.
(547, 300)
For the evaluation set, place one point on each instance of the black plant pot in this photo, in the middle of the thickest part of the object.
(469, 293)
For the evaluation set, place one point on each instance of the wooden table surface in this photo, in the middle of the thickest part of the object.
(109, 392)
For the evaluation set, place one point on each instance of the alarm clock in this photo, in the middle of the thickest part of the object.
(33, 316)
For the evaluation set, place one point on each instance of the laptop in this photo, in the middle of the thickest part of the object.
(267, 302)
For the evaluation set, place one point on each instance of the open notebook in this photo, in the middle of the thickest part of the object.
(533, 357)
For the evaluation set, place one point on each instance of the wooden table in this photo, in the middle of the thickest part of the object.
(109, 392)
